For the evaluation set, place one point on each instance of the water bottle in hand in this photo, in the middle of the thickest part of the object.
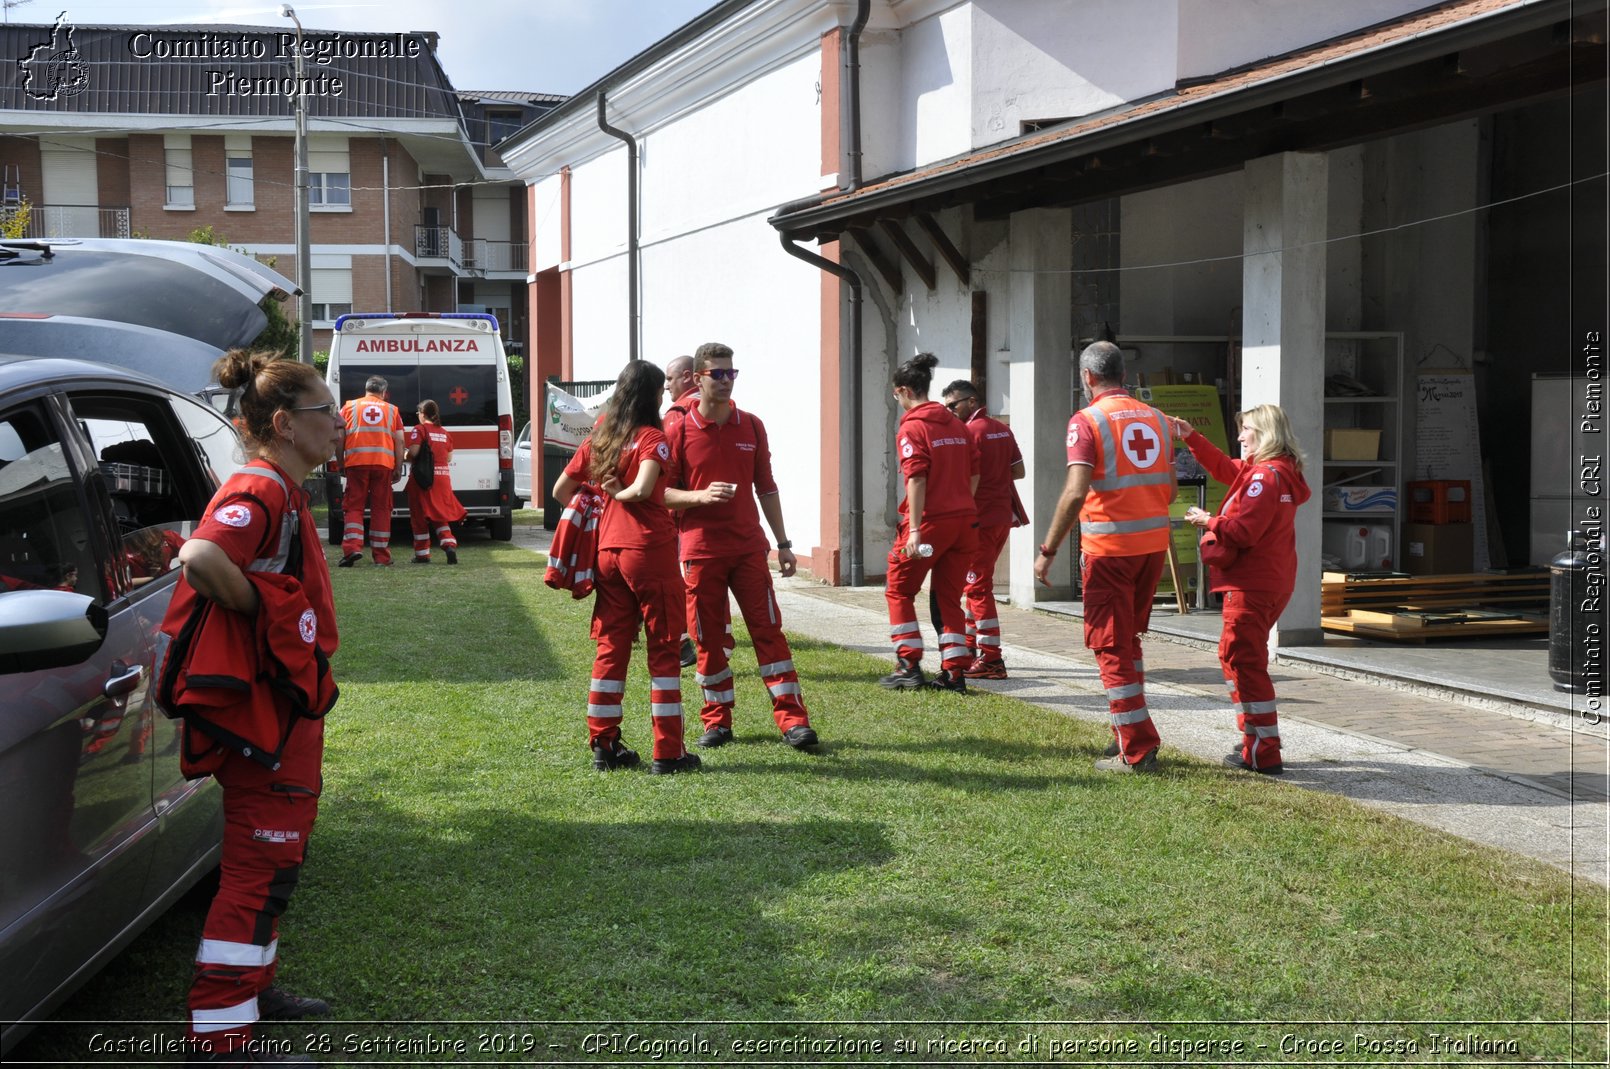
(924, 549)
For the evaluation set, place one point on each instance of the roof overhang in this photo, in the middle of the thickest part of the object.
(1435, 66)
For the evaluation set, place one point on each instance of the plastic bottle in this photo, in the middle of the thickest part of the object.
(924, 549)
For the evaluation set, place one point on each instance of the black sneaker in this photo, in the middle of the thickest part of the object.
(907, 676)
(954, 682)
(277, 1004)
(349, 560)
(690, 656)
(800, 736)
(1235, 760)
(613, 755)
(452, 554)
(716, 736)
(666, 766)
(421, 560)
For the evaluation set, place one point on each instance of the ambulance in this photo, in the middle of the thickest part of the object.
(457, 360)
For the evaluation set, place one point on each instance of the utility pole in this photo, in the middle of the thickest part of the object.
(304, 256)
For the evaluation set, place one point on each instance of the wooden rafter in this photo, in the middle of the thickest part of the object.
(947, 251)
(909, 251)
(889, 269)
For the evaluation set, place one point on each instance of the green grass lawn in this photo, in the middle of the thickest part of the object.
(941, 859)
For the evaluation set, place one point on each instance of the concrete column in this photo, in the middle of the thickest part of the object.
(1039, 378)
(1283, 338)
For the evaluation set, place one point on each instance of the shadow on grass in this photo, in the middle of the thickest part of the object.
(502, 915)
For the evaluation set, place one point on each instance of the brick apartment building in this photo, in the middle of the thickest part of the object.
(156, 131)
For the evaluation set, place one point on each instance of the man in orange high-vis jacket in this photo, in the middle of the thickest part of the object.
(1120, 484)
(371, 454)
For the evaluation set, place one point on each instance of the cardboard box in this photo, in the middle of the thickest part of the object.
(1438, 548)
(1354, 498)
(1352, 443)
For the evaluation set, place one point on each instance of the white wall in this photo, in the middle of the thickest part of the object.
(1037, 60)
(936, 88)
(1216, 35)
(545, 213)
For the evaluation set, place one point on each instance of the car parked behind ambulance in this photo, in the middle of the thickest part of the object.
(457, 360)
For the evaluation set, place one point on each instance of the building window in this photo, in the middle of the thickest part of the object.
(332, 288)
(329, 180)
(238, 190)
(501, 124)
(181, 182)
(328, 189)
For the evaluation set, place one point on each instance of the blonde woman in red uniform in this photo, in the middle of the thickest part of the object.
(1257, 520)
(637, 579)
(938, 529)
(435, 509)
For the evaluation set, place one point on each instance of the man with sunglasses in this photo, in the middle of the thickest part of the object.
(720, 462)
(1000, 462)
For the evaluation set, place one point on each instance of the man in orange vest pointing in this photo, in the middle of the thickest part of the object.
(371, 454)
(1120, 484)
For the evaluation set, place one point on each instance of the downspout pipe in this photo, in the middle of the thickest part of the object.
(857, 479)
(852, 89)
(631, 224)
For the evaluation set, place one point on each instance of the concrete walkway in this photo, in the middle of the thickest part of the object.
(1535, 787)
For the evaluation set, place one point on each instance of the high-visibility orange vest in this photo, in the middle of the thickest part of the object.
(1132, 483)
(370, 426)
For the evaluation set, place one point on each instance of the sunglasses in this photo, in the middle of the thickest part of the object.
(330, 409)
(952, 404)
(721, 374)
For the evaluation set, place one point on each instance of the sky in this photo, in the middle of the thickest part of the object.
(541, 46)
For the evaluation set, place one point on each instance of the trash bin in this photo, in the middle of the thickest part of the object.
(554, 459)
(1574, 618)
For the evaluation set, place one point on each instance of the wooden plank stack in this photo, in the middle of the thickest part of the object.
(1404, 608)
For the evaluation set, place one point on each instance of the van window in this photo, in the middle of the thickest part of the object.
(466, 393)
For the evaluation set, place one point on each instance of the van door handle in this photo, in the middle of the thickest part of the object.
(120, 685)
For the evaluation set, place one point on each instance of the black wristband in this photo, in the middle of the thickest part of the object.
(785, 545)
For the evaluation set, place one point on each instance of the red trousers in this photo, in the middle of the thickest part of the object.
(749, 578)
(1244, 652)
(420, 520)
(638, 587)
(368, 485)
(954, 540)
(983, 616)
(268, 815)
(1118, 595)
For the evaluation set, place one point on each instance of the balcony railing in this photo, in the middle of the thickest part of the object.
(438, 243)
(484, 255)
(72, 221)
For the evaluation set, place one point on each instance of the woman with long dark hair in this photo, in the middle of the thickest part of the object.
(636, 581)
(938, 529)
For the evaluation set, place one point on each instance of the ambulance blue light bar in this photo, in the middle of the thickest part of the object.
(490, 318)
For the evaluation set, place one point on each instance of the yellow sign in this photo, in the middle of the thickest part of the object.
(1202, 406)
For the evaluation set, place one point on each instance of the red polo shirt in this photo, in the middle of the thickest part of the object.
(735, 452)
(632, 524)
(997, 452)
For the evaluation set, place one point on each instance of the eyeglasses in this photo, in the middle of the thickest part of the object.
(332, 409)
(721, 374)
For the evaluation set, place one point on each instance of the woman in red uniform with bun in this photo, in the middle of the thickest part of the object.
(637, 581)
(256, 555)
(1255, 523)
(938, 529)
(435, 509)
